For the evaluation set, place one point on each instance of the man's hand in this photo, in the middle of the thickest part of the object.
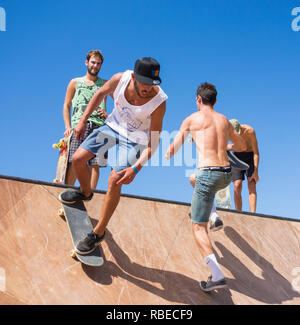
(67, 132)
(80, 130)
(229, 147)
(102, 113)
(254, 178)
(128, 176)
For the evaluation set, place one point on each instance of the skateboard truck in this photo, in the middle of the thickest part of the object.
(61, 144)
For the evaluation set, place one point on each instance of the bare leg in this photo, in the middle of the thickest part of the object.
(238, 194)
(202, 239)
(83, 173)
(94, 176)
(252, 195)
(70, 175)
(111, 201)
(205, 247)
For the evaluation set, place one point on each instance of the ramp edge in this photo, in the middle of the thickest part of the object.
(44, 183)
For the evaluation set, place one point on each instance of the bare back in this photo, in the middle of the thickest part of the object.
(249, 136)
(210, 132)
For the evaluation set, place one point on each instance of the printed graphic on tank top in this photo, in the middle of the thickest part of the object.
(132, 122)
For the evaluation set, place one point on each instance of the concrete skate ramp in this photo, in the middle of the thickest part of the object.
(150, 254)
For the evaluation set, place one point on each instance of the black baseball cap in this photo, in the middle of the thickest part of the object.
(146, 70)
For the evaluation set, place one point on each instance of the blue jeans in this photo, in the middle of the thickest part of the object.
(104, 138)
(206, 185)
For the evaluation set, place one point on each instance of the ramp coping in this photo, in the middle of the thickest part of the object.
(39, 182)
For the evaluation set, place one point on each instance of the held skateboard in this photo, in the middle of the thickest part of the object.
(80, 225)
(235, 162)
(62, 163)
(223, 198)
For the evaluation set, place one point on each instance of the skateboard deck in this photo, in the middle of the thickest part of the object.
(223, 198)
(80, 225)
(62, 162)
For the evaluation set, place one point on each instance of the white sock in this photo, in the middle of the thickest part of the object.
(214, 215)
(214, 267)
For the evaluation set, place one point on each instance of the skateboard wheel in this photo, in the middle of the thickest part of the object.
(73, 253)
(61, 212)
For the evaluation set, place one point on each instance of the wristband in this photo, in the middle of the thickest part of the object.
(135, 169)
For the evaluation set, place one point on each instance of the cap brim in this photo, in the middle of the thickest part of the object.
(146, 80)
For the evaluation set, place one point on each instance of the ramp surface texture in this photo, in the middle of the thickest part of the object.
(149, 250)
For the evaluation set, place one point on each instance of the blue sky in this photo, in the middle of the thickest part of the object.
(246, 48)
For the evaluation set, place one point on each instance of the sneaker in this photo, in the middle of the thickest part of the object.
(217, 225)
(71, 196)
(213, 285)
(89, 243)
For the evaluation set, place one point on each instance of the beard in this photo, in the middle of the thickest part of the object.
(143, 94)
(93, 72)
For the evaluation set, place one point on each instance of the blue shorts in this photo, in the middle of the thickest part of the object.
(206, 185)
(104, 138)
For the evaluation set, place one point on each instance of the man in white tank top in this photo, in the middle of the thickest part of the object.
(134, 124)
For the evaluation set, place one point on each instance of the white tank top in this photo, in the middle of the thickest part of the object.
(132, 122)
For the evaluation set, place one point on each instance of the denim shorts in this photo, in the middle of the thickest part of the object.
(104, 138)
(206, 185)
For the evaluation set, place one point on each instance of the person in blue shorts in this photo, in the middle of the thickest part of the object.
(134, 126)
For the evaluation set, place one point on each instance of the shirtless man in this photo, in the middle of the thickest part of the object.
(135, 125)
(211, 132)
(79, 92)
(250, 156)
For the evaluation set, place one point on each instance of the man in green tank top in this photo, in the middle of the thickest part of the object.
(79, 92)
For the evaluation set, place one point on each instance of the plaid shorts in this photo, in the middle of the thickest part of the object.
(75, 144)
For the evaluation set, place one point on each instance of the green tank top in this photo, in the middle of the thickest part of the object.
(82, 97)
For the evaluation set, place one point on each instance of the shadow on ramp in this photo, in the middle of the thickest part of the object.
(174, 287)
(273, 288)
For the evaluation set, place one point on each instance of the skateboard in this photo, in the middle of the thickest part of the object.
(62, 162)
(223, 198)
(235, 162)
(80, 225)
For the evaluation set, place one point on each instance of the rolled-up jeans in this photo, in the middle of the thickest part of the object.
(207, 183)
